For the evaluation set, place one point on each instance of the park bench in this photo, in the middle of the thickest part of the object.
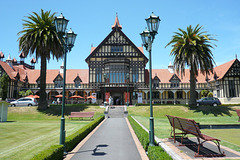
(238, 113)
(81, 115)
(189, 126)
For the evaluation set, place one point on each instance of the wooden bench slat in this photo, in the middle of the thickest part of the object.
(81, 115)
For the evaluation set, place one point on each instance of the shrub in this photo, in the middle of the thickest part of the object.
(154, 152)
(72, 140)
(157, 153)
(54, 152)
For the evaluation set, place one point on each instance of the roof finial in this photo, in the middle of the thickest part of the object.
(116, 23)
(236, 55)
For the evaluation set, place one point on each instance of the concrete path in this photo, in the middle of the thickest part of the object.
(111, 141)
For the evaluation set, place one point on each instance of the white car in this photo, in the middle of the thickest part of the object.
(24, 102)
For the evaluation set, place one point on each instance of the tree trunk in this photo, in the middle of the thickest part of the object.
(192, 102)
(43, 104)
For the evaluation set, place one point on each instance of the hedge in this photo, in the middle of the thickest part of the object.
(66, 105)
(140, 133)
(157, 153)
(154, 152)
(72, 140)
(54, 152)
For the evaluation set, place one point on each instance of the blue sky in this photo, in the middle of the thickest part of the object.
(92, 21)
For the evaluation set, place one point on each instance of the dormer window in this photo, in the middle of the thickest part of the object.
(77, 82)
(174, 84)
(156, 82)
(58, 82)
(38, 83)
(174, 81)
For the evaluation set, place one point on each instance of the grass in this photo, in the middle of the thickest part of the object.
(29, 131)
(202, 115)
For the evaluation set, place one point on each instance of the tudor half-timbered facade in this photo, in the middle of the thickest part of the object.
(117, 69)
(117, 66)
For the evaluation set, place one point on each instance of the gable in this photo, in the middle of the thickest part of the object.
(174, 78)
(77, 79)
(234, 70)
(156, 79)
(116, 44)
(58, 78)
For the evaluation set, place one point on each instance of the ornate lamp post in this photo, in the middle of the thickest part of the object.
(148, 36)
(67, 40)
(127, 79)
(105, 79)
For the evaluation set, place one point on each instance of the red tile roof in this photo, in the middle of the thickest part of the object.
(10, 72)
(164, 75)
(71, 74)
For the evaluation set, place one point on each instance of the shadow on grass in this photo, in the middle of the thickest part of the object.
(216, 111)
(57, 110)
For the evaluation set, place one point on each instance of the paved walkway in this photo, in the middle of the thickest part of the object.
(111, 141)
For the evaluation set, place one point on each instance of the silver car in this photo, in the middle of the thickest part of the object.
(24, 102)
(209, 101)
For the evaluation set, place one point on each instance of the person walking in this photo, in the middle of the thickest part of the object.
(110, 101)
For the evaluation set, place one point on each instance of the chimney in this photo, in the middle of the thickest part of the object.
(61, 68)
(9, 61)
(170, 68)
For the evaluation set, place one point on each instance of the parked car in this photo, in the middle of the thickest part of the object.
(213, 101)
(24, 102)
(10, 100)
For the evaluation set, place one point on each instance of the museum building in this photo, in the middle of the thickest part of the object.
(117, 69)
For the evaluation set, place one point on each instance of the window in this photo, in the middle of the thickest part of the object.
(99, 74)
(77, 84)
(231, 85)
(174, 83)
(116, 74)
(38, 83)
(116, 48)
(155, 83)
(58, 84)
(135, 75)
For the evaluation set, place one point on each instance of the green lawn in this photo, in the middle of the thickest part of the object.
(202, 115)
(29, 131)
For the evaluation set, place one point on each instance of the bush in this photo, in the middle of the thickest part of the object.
(54, 152)
(140, 133)
(154, 152)
(72, 140)
(157, 153)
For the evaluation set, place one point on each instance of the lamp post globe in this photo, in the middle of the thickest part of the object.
(71, 37)
(67, 40)
(145, 35)
(153, 22)
(148, 36)
(61, 24)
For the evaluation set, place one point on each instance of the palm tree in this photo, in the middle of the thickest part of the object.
(192, 48)
(39, 37)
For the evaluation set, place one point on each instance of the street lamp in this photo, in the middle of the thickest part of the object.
(127, 78)
(67, 40)
(105, 79)
(148, 36)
